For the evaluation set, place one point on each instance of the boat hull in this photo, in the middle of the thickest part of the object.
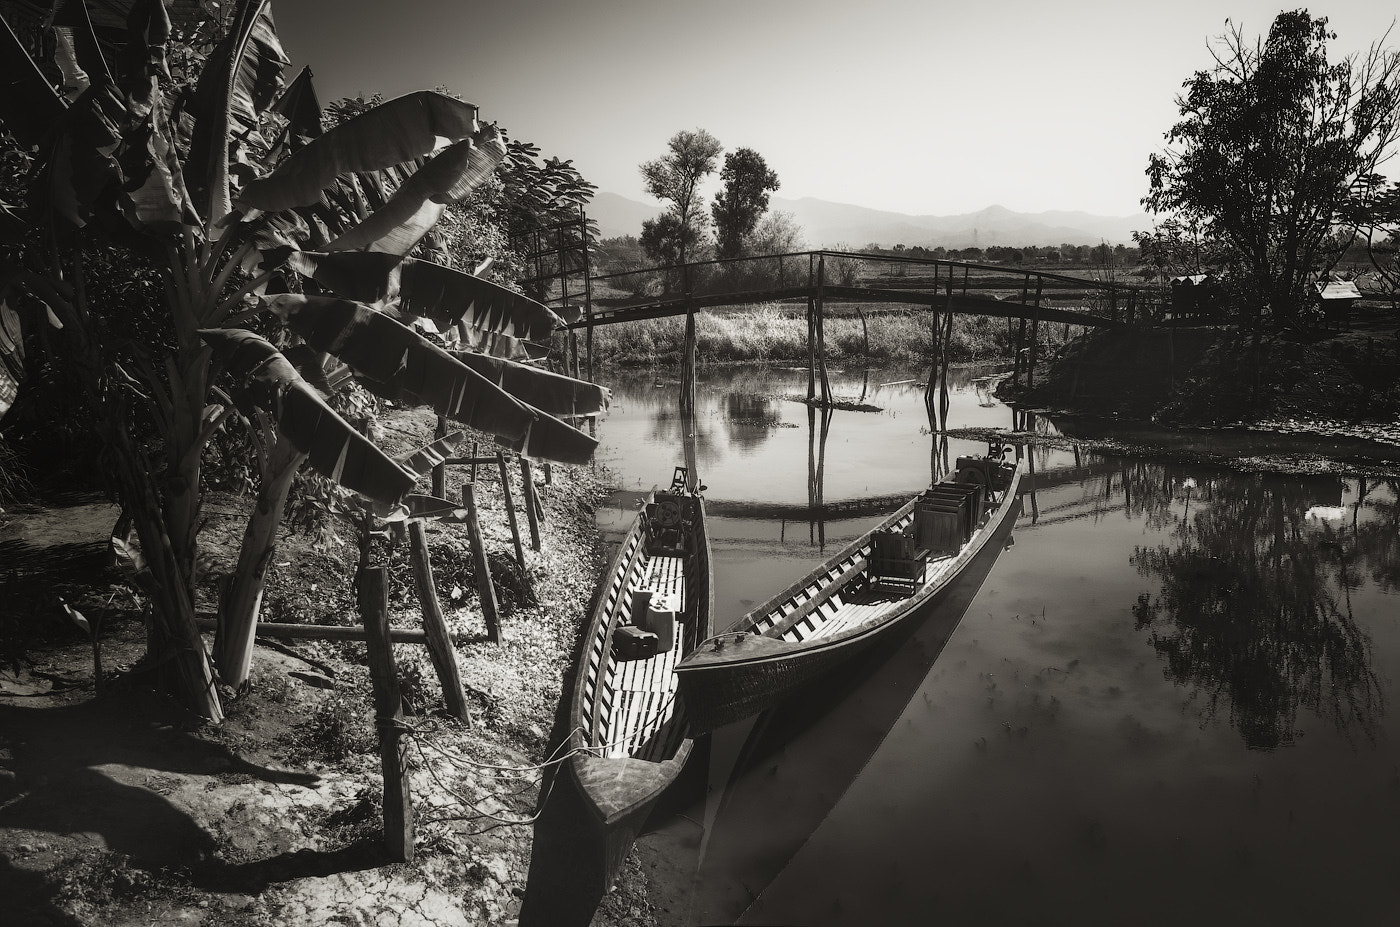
(736, 675)
(618, 792)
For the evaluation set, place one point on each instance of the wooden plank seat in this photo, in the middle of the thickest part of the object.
(637, 698)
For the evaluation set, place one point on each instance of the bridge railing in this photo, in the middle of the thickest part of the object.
(795, 276)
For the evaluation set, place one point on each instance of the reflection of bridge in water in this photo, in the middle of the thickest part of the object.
(882, 505)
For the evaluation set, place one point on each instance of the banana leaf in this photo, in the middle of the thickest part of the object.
(238, 84)
(154, 196)
(75, 48)
(552, 439)
(394, 361)
(302, 110)
(391, 133)
(428, 290)
(490, 343)
(425, 458)
(448, 296)
(29, 106)
(333, 446)
(83, 161)
(416, 206)
(552, 393)
(362, 276)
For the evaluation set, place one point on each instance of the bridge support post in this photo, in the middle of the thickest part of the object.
(811, 331)
(821, 331)
(588, 307)
(1035, 339)
(688, 352)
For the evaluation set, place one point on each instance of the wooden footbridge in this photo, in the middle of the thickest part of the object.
(843, 277)
(840, 281)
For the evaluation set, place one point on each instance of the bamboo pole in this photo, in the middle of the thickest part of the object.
(587, 289)
(531, 501)
(440, 471)
(435, 626)
(821, 331)
(485, 587)
(811, 331)
(509, 498)
(388, 711)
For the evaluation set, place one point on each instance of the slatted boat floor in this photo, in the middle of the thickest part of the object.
(642, 693)
(861, 605)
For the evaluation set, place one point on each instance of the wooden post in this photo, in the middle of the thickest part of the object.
(435, 625)
(548, 474)
(388, 711)
(509, 498)
(1035, 333)
(440, 471)
(811, 330)
(821, 330)
(1020, 346)
(485, 588)
(587, 292)
(688, 350)
(531, 501)
(474, 455)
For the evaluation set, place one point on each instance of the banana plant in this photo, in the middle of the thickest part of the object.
(182, 172)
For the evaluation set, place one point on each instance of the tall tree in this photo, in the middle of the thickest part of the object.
(1270, 140)
(737, 208)
(674, 178)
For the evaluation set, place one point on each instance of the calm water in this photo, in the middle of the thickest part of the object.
(1171, 700)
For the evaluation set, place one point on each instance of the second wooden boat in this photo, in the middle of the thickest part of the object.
(899, 569)
(631, 735)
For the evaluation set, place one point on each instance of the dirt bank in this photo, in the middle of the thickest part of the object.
(119, 809)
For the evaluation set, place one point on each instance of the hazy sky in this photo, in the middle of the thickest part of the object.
(916, 106)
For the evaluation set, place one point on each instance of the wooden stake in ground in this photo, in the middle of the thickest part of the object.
(484, 586)
(532, 501)
(509, 498)
(388, 711)
(439, 643)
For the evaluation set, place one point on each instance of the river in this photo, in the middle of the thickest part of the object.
(1169, 700)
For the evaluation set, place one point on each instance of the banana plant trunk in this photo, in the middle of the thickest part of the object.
(238, 618)
(172, 631)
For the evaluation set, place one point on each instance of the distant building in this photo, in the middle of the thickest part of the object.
(1336, 298)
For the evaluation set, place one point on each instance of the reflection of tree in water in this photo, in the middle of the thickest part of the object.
(1249, 610)
(1376, 547)
(750, 419)
(670, 426)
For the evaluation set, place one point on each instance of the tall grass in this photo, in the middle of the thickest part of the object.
(774, 332)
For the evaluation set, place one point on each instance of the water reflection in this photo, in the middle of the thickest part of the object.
(816, 474)
(1254, 607)
(749, 419)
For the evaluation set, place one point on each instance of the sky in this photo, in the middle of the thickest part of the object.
(915, 106)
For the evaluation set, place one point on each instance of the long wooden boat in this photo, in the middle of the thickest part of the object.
(631, 735)
(900, 569)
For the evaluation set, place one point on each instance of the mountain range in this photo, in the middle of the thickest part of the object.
(828, 224)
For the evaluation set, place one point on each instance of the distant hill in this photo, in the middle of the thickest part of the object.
(828, 224)
(617, 215)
